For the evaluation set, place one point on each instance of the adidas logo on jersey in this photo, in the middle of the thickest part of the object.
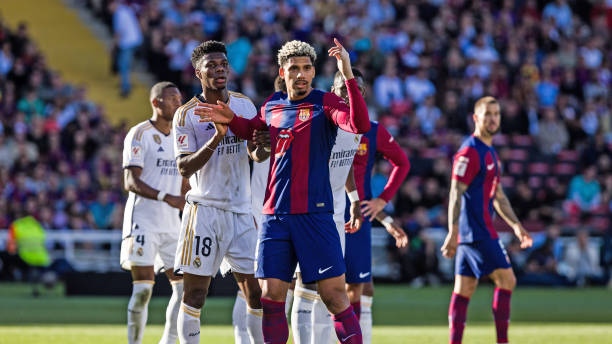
(160, 149)
(210, 126)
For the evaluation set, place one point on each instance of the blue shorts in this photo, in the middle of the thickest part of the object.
(358, 254)
(481, 258)
(310, 239)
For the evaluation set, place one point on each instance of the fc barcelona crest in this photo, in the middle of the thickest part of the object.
(157, 139)
(304, 114)
(362, 149)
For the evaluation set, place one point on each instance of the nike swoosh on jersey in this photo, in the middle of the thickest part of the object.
(364, 274)
(347, 337)
(490, 167)
(322, 271)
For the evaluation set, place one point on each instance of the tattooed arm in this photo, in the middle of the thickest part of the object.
(504, 209)
(449, 248)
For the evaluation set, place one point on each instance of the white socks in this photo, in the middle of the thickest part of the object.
(170, 332)
(246, 322)
(323, 331)
(253, 321)
(137, 311)
(365, 320)
(241, 335)
(301, 311)
(289, 302)
(188, 324)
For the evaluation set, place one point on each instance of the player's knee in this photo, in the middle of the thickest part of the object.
(141, 294)
(508, 282)
(195, 297)
(254, 298)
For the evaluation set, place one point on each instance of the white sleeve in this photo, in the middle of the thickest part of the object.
(133, 150)
(184, 135)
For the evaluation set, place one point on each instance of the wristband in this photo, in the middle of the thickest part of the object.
(353, 196)
(387, 220)
(161, 195)
(208, 147)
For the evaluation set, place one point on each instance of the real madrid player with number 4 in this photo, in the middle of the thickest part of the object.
(217, 223)
(151, 221)
(474, 192)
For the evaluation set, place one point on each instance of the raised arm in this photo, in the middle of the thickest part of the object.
(504, 209)
(355, 119)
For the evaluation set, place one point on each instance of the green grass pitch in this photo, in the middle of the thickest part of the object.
(401, 315)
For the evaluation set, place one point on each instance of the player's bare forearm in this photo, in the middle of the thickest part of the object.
(189, 164)
(133, 183)
(454, 205)
(504, 208)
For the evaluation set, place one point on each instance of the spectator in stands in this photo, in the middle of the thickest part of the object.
(552, 135)
(584, 193)
(127, 38)
(581, 263)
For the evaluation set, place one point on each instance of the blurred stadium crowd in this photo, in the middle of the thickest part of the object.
(548, 62)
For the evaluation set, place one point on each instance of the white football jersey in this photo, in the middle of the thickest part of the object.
(223, 182)
(259, 181)
(340, 162)
(148, 148)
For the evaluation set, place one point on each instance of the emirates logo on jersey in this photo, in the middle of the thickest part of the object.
(304, 114)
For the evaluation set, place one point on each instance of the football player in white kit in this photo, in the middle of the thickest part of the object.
(151, 220)
(310, 320)
(217, 223)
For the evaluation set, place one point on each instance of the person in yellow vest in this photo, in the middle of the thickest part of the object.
(26, 239)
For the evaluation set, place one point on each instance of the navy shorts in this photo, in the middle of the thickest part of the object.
(358, 254)
(310, 239)
(481, 258)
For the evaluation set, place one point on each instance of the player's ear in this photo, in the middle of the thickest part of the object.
(198, 74)
(281, 72)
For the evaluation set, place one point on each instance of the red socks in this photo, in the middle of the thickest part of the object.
(501, 313)
(274, 322)
(457, 314)
(347, 327)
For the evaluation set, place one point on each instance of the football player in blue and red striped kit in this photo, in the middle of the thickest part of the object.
(298, 224)
(358, 255)
(475, 191)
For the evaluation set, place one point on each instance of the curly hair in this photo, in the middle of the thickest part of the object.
(295, 48)
(206, 48)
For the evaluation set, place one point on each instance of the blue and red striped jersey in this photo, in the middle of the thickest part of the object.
(302, 134)
(379, 140)
(477, 165)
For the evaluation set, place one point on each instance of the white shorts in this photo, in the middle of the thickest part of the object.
(209, 236)
(144, 249)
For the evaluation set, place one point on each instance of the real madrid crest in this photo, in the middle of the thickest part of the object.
(356, 138)
(157, 139)
(140, 251)
(197, 262)
(304, 114)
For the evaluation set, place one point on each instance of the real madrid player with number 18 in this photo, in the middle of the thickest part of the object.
(217, 222)
(151, 220)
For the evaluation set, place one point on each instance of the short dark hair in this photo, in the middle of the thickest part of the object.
(158, 89)
(338, 77)
(206, 48)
